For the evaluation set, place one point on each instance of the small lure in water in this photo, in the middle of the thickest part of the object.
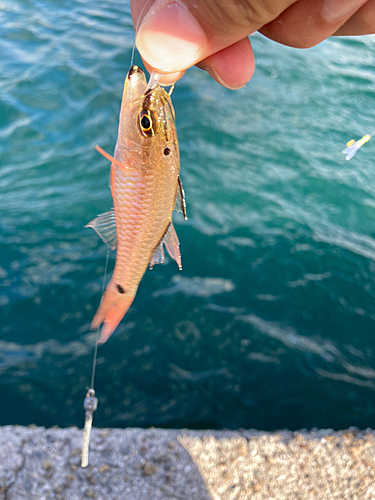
(353, 146)
(146, 187)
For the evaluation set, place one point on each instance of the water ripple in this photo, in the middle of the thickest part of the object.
(272, 318)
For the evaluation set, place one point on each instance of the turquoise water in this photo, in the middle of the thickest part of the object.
(271, 322)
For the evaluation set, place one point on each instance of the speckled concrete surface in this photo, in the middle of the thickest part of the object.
(135, 464)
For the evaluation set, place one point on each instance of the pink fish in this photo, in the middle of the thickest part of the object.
(146, 187)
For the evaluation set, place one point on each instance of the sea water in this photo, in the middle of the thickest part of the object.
(271, 322)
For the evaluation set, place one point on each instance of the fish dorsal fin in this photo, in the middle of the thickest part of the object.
(170, 240)
(180, 199)
(350, 143)
(105, 227)
(158, 256)
(172, 244)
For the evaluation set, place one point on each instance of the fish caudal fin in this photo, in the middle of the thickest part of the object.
(112, 309)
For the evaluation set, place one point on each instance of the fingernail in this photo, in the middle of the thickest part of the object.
(169, 37)
(215, 75)
(333, 10)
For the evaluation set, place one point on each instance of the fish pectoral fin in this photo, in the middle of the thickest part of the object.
(172, 245)
(180, 198)
(157, 256)
(105, 227)
(111, 158)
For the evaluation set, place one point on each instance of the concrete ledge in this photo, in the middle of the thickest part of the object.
(138, 464)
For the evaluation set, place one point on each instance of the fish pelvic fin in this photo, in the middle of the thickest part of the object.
(115, 303)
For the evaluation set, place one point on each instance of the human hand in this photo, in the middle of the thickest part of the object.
(213, 34)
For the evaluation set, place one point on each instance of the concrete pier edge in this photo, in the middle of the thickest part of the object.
(142, 464)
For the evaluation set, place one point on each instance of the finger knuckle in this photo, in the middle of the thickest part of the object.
(246, 13)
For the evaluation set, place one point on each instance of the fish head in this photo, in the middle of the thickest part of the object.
(147, 119)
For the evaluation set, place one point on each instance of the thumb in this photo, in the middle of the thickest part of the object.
(174, 35)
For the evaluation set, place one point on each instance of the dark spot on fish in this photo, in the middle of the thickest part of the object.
(120, 289)
(166, 151)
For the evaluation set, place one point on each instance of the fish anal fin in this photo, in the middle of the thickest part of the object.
(105, 227)
(170, 240)
(157, 256)
(180, 198)
(172, 244)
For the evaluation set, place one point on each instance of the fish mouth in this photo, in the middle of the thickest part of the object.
(135, 85)
(134, 70)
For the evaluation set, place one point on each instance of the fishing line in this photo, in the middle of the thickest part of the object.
(98, 332)
(90, 402)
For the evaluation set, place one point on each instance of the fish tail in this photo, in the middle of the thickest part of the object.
(111, 311)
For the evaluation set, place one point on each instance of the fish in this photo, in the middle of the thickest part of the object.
(146, 187)
(353, 146)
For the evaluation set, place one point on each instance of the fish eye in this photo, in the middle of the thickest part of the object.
(145, 123)
(148, 122)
